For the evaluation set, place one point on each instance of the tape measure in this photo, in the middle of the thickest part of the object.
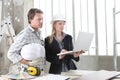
(34, 71)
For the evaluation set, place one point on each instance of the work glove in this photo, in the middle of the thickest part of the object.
(35, 62)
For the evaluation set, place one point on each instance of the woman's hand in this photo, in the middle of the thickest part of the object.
(76, 54)
(62, 56)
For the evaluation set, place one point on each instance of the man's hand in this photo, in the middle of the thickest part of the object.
(35, 62)
(23, 61)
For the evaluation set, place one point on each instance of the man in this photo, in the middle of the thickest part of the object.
(30, 34)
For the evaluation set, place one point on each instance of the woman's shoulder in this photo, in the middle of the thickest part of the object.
(47, 37)
(68, 36)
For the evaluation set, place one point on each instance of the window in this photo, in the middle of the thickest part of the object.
(81, 16)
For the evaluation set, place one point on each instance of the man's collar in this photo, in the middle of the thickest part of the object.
(33, 29)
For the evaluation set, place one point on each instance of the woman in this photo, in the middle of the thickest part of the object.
(59, 42)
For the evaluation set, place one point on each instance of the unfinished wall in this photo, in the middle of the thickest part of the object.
(17, 10)
(88, 63)
(97, 63)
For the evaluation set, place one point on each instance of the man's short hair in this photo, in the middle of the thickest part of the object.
(32, 12)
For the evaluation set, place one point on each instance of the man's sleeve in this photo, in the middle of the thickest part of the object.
(15, 48)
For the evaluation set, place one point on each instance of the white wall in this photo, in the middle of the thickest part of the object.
(97, 63)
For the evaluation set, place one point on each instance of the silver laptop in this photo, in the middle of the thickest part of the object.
(83, 42)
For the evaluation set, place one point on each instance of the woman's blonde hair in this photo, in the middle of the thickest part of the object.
(52, 33)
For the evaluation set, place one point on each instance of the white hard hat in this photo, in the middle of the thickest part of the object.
(58, 17)
(32, 51)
